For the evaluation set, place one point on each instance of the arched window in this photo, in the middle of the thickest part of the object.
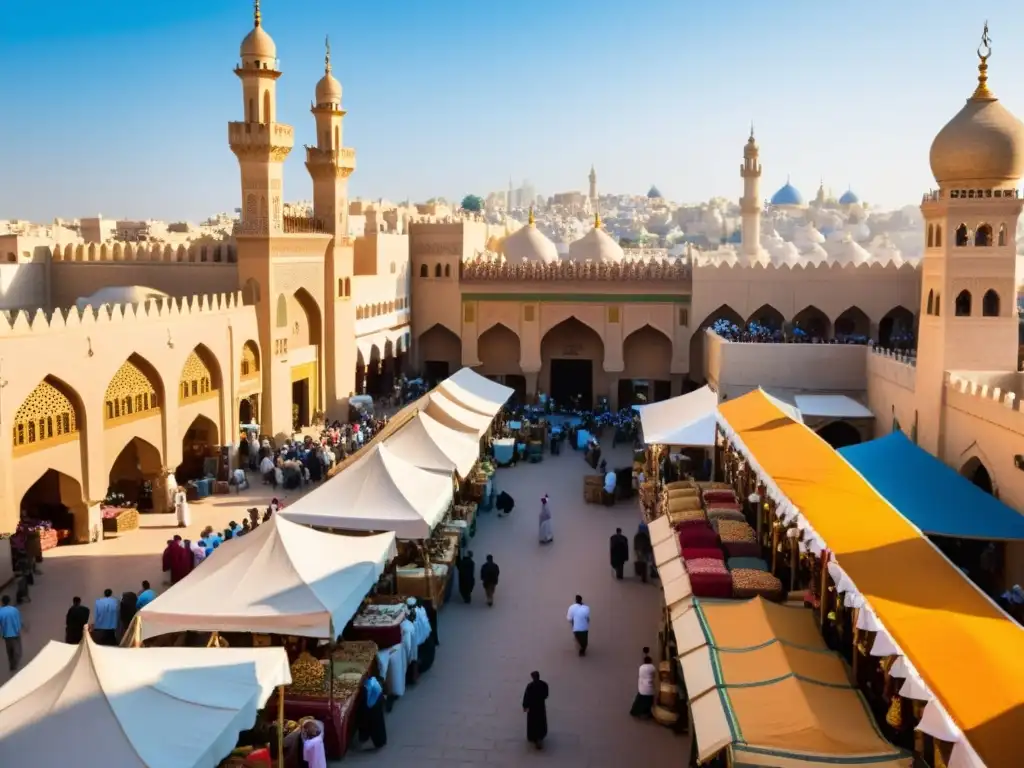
(963, 304)
(1002, 235)
(447, 270)
(267, 117)
(962, 236)
(938, 235)
(938, 304)
(983, 235)
(990, 304)
(437, 270)
(251, 117)
(424, 272)
(282, 312)
(348, 287)
(931, 235)
(337, 139)
(931, 303)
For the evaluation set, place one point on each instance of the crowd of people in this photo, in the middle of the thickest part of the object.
(760, 333)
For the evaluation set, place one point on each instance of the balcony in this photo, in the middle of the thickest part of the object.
(344, 158)
(303, 225)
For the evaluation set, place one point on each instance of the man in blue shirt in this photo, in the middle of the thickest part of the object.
(105, 618)
(10, 628)
(146, 596)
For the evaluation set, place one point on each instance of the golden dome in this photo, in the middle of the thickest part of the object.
(328, 90)
(983, 145)
(258, 44)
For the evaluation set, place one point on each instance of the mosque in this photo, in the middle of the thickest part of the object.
(143, 361)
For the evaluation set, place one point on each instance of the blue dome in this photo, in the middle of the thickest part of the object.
(788, 195)
(653, 193)
(849, 198)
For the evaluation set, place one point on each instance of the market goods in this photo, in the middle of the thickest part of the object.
(732, 530)
(679, 484)
(361, 651)
(703, 553)
(686, 502)
(307, 676)
(717, 495)
(753, 563)
(668, 695)
(726, 514)
(664, 716)
(748, 583)
(705, 565)
(665, 671)
(692, 536)
(687, 517)
(379, 616)
(717, 584)
(678, 493)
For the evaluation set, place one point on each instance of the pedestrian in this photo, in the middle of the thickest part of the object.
(166, 559)
(127, 609)
(547, 534)
(619, 548)
(10, 627)
(104, 621)
(181, 510)
(579, 617)
(75, 622)
(489, 576)
(644, 701)
(642, 553)
(467, 576)
(504, 504)
(534, 705)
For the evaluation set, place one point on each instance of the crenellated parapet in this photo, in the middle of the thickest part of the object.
(23, 322)
(896, 366)
(194, 253)
(1006, 399)
(660, 270)
(708, 267)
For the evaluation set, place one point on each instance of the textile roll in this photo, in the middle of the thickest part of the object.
(726, 514)
(679, 518)
(702, 553)
(680, 493)
(680, 485)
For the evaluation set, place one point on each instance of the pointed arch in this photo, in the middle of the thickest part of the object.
(424, 270)
(200, 376)
(197, 441)
(135, 391)
(348, 287)
(1002, 235)
(440, 352)
(52, 414)
(499, 351)
(974, 469)
(983, 236)
(963, 236)
(767, 316)
(938, 235)
(647, 354)
(310, 324)
(267, 116)
(813, 322)
(249, 367)
(437, 269)
(281, 317)
(56, 496)
(138, 461)
(931, 302)
(962, 307)
(931, 235)
(853, 323)
(990, 304)
(698, 341)
(840, 434)
(896, 329)
(572, 362)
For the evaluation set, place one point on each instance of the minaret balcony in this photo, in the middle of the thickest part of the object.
(342, 158)
(276, 138)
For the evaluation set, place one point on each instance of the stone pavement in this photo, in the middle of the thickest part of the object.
(467, 710)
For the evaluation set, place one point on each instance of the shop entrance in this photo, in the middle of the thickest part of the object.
(56, 498)
(300, 403)
(436, 371)
(572, 382)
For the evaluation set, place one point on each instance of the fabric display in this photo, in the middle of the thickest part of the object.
(683, 517)
(684, 502)
(709, 486)
(696, 537)
(709, 578)
(749, 563)
(748, 583)
(680, 493)
(738, 539)
(719, 495)
(680, 485)
(718, 513)
(702, 553)
(705, 565)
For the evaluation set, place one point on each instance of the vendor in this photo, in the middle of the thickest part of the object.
(424, 637)
(608, 495)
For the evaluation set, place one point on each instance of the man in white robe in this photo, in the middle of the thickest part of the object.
(181, 510)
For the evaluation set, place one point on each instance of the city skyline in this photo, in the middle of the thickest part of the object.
(138, 131)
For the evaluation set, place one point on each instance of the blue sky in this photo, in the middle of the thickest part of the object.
(119, 107)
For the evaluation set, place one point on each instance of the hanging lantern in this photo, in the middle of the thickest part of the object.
(894, 716)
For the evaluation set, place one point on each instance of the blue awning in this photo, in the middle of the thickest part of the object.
(930, 494)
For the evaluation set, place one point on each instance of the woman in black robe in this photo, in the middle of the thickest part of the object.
(534, 698)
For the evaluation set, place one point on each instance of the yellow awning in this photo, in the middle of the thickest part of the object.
(969, 653)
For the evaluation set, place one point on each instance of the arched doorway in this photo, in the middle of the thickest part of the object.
(200, 442)
(498, 349)
(768, 317)
(135, 392)
(57, 498)
(440, 353)
(388, 369)
(896, 329)
(360, 373)
(646, 375)
(975, 471)
(133, 473)
(697, 341)
(572, 364)
(853, 325)
(306, 331)
(840, 434)
(373, 373)
(812, 324)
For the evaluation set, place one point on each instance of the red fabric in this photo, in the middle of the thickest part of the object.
(711, 585)
(261, 756)
(726, 496)
(181, 563)
(734, 506)
(697, 537)
(706, 553)
(338, 725)
(167, 556)
(742, 548)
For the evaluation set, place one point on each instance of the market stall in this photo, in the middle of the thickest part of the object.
(764, 690)
(102, 706)
(475, 392)
(454, 416)
(881, 568)
(689, 419)
(428, 444)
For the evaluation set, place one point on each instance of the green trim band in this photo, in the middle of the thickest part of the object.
(583, 298)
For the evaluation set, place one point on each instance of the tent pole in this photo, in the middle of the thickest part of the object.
(280, 726)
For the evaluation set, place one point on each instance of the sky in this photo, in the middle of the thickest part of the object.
(119, 108)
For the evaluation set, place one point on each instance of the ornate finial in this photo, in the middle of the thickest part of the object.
(327, 55)
(256, 12)
(533, 221)
(597, 220)
(751, 130)
(984, 52)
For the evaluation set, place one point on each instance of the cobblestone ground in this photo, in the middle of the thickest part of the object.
(466, 710)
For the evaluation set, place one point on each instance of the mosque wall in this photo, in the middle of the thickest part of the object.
(79, 387)
(891, 383)
(24, 285)
(71, 281)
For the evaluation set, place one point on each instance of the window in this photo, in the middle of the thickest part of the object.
(468, 315)
(931, 235)
(938, 235)
(938, 304)
(963, 304)
(963, 236)
(983, 236)
(423, 271)
(684, 317)
(447, 270)
(348, 287)
(931, 303)
(437, 270)
(1002, 235)
(990, 304)
(613, 314)
(282, 311)
(528, 313)
(341, 288)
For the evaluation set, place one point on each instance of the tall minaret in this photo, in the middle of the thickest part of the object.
(593, 185)
(969, 274)
(329, 163)
(260, 143)
(750, 203)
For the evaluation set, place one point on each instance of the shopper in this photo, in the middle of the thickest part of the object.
(619, 549)
(579, 618)
(105, 616)
(489, 572)
(535, 706)
(644, 701)
(467, 576)
(10, 628)
(75, 622)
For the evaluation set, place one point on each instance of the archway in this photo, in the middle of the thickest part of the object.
(840, 434)
(51, 415)
(57, 498)
(975, 471)
(135, 392)
(440, 353)
(133, 473)
(768, 317)
(360, 373)
(697, 341)
(498, 349)
(200, 376)
(387, 369)
(249, 368)
(374, 370)
(306, 331)
(853, 324)
(813, 323)
(572, 364)
(304, 316)
(646, 375)
(896, 329)
(200, 443)
(982, 561)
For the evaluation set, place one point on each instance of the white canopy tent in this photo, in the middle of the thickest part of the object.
(454, 416)
(281, 578)
(428, 444)
(475, 392)
(831, 407)
(689, 419)
(378, 492)
(134, 707)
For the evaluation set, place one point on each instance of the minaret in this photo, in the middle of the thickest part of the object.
(509, 196)
(329, 163)
(260, 143)
(969, 275)
(593, 185)
(750, 203)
